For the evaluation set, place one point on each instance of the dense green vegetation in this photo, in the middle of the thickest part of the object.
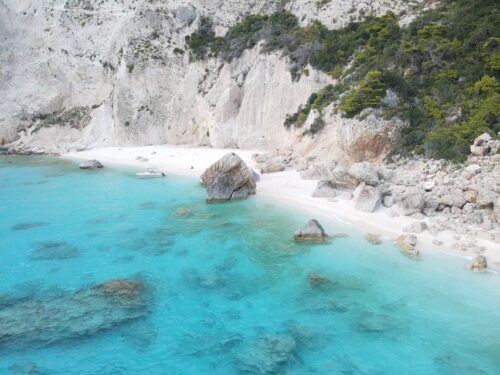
(444, 68)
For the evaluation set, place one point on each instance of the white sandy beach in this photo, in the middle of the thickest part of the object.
(285, 187)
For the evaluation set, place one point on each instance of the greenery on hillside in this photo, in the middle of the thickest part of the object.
(444, 68)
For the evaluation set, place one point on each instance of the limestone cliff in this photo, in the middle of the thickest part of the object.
(86, 73)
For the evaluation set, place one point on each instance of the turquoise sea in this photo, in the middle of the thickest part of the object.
(223, 287)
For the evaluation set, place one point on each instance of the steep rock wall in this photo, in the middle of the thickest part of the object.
(88, 73)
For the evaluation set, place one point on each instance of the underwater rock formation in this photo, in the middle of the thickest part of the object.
(30, 225)
(86, 312)
(269, 354)
(54, 250)
(228, 179)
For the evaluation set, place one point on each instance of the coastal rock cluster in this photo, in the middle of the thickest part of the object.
(463, 199)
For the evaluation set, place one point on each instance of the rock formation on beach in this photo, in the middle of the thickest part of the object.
(312, 232)
(90, 164)
(228, 179)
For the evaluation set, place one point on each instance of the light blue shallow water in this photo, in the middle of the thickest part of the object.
(228, 289)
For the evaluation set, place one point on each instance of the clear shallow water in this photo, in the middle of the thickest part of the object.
(228, 290)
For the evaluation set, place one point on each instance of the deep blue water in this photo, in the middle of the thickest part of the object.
(228, 290)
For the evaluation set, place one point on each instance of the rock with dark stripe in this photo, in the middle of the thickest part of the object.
(228, 179)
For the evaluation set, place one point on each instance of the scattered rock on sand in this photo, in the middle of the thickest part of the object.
(373, 238)
(142, 159)
(418, 227)
(272, 165)
(479, 264)
(408, 242)
(312, 232)
(91, 164)
(228, 179)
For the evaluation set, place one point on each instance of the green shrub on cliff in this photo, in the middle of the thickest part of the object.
(444, 68)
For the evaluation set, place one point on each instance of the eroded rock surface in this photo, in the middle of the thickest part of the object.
(313, 232)
(73, 315)
(228, 179)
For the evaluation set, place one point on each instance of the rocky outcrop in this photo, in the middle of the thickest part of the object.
(228, 179)
(366, 198)
(72, 315)
(484, 145)
(312, 232)
(408, 243)
(364, 172)
(90, 164)
(479, 264)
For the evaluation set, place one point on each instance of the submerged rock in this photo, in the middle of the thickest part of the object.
(408, 243)
(267, 355)
(91, 164)
(228, 179)
(89, 311)
(317, 280)
(26, 226)
(373, 238)
(479, 264)
(313, 231)
(54, 250)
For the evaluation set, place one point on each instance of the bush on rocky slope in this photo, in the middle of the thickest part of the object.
(444, 68)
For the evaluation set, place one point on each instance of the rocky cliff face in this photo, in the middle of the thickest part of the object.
(86, 73)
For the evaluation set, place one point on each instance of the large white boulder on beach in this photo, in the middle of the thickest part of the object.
(341, 179)
(411, 202)
(90, 164)
(324, 189)
(366, 198)
(228, 179)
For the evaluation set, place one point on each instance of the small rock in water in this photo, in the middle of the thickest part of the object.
(312, 232)
(183, 212)
(373, 238)
(25, 226)
(54, 250)
(91, 164)
(479, 264)
(317, 280)
(407, 243)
